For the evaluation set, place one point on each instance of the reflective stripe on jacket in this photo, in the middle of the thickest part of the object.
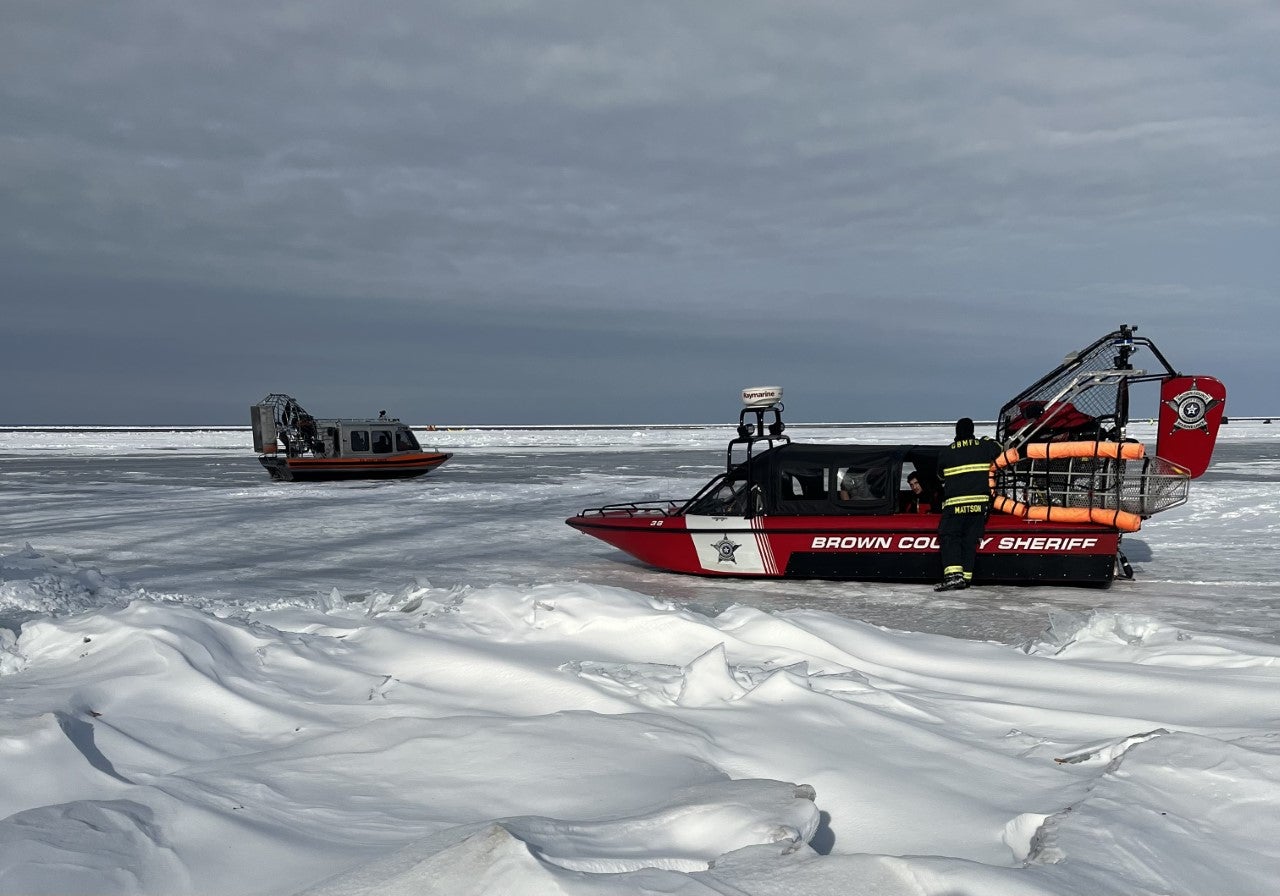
(963, 467)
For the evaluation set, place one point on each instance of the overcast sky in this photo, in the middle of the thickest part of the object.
(586, 211)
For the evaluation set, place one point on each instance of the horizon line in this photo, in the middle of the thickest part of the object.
(238, 427)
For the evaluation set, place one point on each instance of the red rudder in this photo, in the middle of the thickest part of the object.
(1191, 409)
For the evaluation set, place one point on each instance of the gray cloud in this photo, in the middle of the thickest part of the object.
(912, 203)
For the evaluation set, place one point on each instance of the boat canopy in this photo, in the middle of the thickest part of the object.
(796, 479)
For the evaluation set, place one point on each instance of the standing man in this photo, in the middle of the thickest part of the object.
(964, 467)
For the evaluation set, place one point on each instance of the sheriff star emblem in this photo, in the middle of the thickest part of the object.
(1192, 407)
(724, 550)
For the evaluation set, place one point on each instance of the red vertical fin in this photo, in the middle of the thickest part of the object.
(1191, 409)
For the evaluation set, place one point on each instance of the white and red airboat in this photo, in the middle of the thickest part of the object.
(1070, 484)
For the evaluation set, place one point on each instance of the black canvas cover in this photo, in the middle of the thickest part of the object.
(798, 479)
(806, 479)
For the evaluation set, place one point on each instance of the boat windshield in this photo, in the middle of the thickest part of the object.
(726, 495)
(405, 440)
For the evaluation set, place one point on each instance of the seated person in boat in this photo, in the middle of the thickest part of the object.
(861, 484)
(923, 498)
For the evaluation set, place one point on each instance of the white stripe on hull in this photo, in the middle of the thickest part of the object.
(730, 544)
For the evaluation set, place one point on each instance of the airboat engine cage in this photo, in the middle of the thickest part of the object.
(279, 418)
(1087, 395)
(1104, 476)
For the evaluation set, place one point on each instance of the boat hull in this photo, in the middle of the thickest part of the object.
(319, 469)
(897, 547)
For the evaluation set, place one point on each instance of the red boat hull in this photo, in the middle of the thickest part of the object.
(898, 547)
(316, 469)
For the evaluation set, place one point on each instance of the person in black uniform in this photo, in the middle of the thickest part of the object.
(964, 467)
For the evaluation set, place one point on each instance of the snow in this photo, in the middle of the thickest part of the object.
(214, 683)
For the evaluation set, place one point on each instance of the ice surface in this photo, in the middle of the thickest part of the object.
(212, 682)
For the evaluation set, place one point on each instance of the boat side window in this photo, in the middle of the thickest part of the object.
(802, 488)
(359, 440)
(382, 441)
(405, 441)
(803, 484)
(862, 487)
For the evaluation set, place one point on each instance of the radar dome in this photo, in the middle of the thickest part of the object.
(762, 396)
